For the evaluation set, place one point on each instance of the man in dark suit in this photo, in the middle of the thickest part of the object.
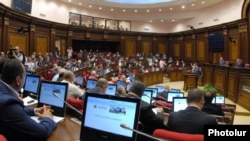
(210, 107)
(192, 119)
(164, 94)
(15, 121)
(150, 121)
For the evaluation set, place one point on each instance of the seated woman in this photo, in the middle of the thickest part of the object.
(211, 108)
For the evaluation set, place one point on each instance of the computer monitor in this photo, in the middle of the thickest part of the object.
(103, 116)
(219, 99)
(175, 90)
(160, 88)
(79, 80)
(53, 94)
(179, 103)
(31, 84)
(111, 89)
(120, 83)
(128, 87)
(174, 94)
(91, 83)
(155, 92)
(147, 96)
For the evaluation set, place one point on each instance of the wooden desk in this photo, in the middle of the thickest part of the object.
(189, 81)
(66, 130)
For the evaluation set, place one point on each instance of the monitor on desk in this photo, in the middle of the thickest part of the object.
(31, 84)
(219, 99)
(79, 80)
(103, 116)
(175, 90)
(120, 83)
(160, 88)
(128, 86)
(179, 103)
(155, 92)
(91, 83)
(53, 94)
(171, 95)
(111, 89)
(147, 96)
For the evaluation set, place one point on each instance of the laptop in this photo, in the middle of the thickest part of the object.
(128, 87)
(160, 88)
(31, 85)
(91, 83)
(120, 83)
(155, 91)
(147, 96)
(53, 94)
(179, 103)
(174, 94)
(103, 116)
(111, 89)
(175, 90)
(79, 80)
(219, 99)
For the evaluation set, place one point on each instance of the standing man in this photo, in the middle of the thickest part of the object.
(19, 55)
(15, 119)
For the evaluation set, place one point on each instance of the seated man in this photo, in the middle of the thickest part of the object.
(211, 108)
(164, 94)
(120, 91)
(73, 90)
(100, 88)
(192, 119)
(15, 121)
(150, 121)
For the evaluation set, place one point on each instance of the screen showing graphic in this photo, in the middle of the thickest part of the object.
(111, 89)
(174, 94)
(155, 91)
(91, 83)
(147, 95)
(79, 80)
(179, 103)
(160, 88)
(120, 83)
(31, 84)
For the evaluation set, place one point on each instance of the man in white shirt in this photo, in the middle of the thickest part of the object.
(73, 90)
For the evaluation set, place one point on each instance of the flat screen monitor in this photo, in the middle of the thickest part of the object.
(103, 116)
(120, 83)
(179, 103)
(160, 88)
(155, 92)
(111, 89)
(219, 99)
(128, 87)
(79, 80)
(175, 90)
(53, 94)
(147, 96)
(91, 83)
(31, 84)
(174, 94)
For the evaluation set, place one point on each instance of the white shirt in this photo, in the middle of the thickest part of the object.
(73, 90)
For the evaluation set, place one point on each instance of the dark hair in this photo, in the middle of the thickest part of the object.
(137, 88)
(2, 62)
(11, 69)
(195, 95)
(209, 97)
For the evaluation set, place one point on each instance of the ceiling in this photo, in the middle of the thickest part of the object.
(145, 10)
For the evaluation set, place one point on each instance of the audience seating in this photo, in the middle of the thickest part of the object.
(76, 103)
(176, 136)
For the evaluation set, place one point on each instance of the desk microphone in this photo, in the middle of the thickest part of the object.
(56, 95)
(140, 133)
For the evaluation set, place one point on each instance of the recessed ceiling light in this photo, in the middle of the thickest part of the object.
(162, 20)
(69, 0)
(112, 9)
(136, 11)
(193, 4)
(100, 8)
(160, 10)
(150, 21)
(80, 3)
(123, 10)
(183, 6)
(173, 20)
(148, 10)
(203, 2)
(90, 6)
(171, 8)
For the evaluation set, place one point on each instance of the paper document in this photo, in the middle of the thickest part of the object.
(56, 119)
(29, 101)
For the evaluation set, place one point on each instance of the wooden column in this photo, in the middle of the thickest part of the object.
(69, 39)
(31, 46)
(52, 40)
(5, 46)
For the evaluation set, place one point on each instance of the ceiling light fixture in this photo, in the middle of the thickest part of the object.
(90, 6)
(173, 20)
(69, 0)
(112, 9)
(80, 3)
(150, 21)
(100, 8)
(193, 4)
(171, 8)
(123, 10)
(183, 6)
(148, 10)
(136, 11)
(203, 2)
(160, 10)
(162, 20)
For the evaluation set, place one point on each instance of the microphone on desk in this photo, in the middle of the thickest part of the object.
(140, 133)
(56, 95)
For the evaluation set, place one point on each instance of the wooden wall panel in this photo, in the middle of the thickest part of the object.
(146, 47)
(176, 50)
(201, 50)
(20, 40)
(219, 80)
(234, 50)
(161, 48)
(208, 75)
(231, 89)
(42, 44)
(130, 48)
(188, 50)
